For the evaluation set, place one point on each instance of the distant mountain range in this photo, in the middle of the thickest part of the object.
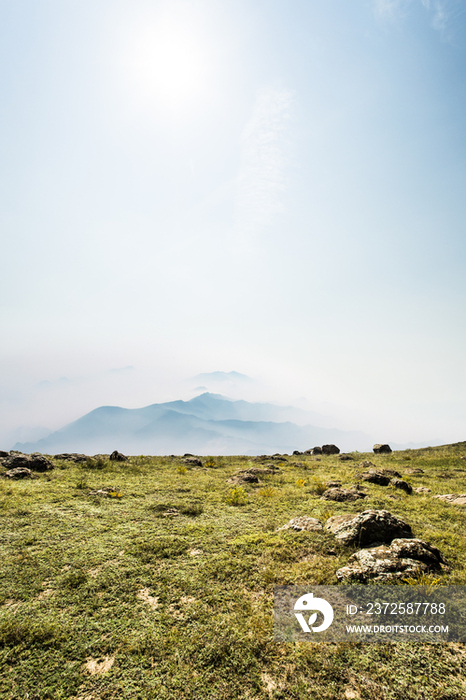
(207, 424)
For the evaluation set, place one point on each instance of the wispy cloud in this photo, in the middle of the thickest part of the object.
(441, 12)
(264, 159)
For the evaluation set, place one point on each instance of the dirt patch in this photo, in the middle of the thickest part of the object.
(97, 667)
(151, 601)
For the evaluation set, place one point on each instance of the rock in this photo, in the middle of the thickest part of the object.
(333, 484)
(376, 477)
(4, 454)
(118, 457)
(72, 457)
(330, 450)
(338, 494)
(18, 473)
(401, 484)
(457, 499)
(368, 527)
(346, 458)
(382, 449)
(404, 557)
(245, 478)
(192, 462)
(414, 471)
(105, 491)
(36, 462)
(300, 465)
(304, 522)
(188, 454)
(313, 451)
(279, 458)
(297, 452)
(366, 464)
(422, 489)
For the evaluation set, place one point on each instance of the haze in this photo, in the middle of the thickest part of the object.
(274, 188)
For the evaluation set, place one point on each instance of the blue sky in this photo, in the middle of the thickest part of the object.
(270, 187)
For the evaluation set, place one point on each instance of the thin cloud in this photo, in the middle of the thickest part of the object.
(264, 159)
(440, 11)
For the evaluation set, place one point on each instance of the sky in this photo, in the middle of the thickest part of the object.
(269, 187)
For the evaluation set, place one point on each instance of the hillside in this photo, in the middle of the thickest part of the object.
(164, 589)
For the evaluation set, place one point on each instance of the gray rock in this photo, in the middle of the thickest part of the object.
(366, 464)
(400, 484)
(414, 471)
(457, 499)
(118, 457)
(304, 522)
(18, 473)
(404, 557)
(330, 450)
(422, 489)
(340, 495)
(75, 457)
(368, 527)
(193, 462)
(36, 462)
(333, 484)
(346, 458)
(382, 449)
(376, 477)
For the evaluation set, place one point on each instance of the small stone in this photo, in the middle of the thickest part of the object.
(414, 471)
(302, 523)
(400, 484)
(338, 494)
(346, 458)
(422, 489)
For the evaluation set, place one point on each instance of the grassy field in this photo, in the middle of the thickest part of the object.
(118, 597)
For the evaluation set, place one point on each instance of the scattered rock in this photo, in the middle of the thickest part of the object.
(35, 462)
(422, 489)
(304, 522)
(72, 457)
(402, 558)
(244, 478)
(330, 450)
(279, 458)
(300, 465)
(105, 491)
(366, 464)
(338, 494)
(376, 477)
(368, 527)
(118, 457)
(193, 461)
(401, 484)
(346, 458)
(18, 473)
(382, 449)
(457, 499)
(414, 471)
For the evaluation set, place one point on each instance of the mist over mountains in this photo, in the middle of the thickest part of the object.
(207, 424)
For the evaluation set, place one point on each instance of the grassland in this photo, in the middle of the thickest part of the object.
(118, 597)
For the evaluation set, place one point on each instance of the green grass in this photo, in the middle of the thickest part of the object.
(167, 592)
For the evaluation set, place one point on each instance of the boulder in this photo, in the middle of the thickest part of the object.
(338, 494)
(314, 451)
(330, 450)
(304, 522)
(75, 457)
(18, 473)
(401, 484)
(297, 452)
(374, 476)
(404, 557)
(368, 527)
(4, 454)
(118, 457)
(382, 449)
(333, 484)
(35, 462)
(193, 462)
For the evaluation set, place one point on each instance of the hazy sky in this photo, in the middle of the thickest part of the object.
(275, 187)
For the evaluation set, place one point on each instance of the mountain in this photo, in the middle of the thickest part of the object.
(207, 424)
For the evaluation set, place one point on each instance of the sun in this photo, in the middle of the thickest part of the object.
(168, 63)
